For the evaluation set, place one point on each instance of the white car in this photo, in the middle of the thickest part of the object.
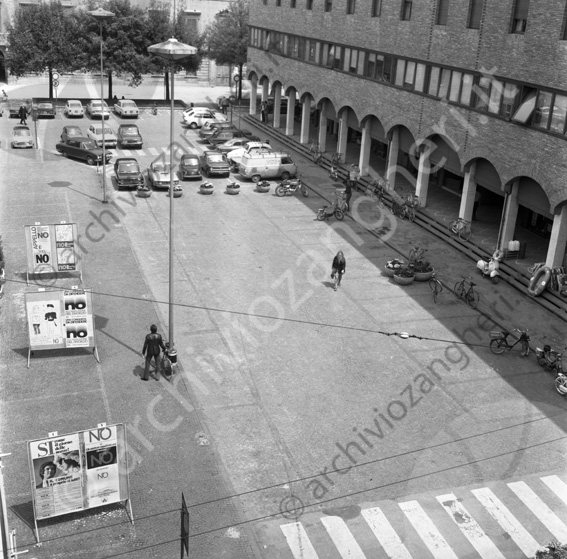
(96, 109)
(21, 137)
(126, 107)
(95, 133)
(235, 155)
(74, 107)
(195, 117)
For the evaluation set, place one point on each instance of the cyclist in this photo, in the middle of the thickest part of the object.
(339, 268)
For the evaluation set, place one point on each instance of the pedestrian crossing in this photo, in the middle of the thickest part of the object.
(500, 521)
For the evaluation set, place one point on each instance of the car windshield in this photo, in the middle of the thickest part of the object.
(75, 104)
(98, 131)
(130, 104)
(89, 145)
(45, 105)
(21, 132)
(189, 160)
(160, 168)
(130, 131)
(72, 132)
(128, 167)
(96, 104)
(216, 157)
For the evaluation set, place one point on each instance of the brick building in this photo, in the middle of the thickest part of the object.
(462, 95)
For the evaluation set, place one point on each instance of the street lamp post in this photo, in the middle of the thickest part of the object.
(102, 15)
(173, 51)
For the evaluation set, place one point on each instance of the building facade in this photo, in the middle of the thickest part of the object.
(469, 95)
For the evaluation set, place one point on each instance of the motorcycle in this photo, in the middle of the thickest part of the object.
(561, 384)
(547, 357)
(337, 208)
(492, 267)
(289, 186)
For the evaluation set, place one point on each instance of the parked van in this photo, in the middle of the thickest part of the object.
(257, 166)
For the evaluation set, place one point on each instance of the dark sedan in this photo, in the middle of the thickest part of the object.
(189, 167)
(70, 131)
(45, 109)
(82, 148)
(215, 163)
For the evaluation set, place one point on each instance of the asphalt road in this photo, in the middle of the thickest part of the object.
(287, 380)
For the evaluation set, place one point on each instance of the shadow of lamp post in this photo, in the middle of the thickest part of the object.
(173, 51)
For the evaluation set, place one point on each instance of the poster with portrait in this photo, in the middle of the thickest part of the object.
(60, 319)
(51, 248)
(78, 471)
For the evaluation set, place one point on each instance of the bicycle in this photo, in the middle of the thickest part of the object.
(416, 254)
(462, 228)
(499, 341)
(376, 193)
(413, 201)
(464, 289)
(436, 286)
(315, 152)
(403, 210)
(337, 159)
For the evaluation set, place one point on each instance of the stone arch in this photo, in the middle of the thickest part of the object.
(396, 120)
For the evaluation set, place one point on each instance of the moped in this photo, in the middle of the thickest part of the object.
(337, 208)
(289, 186)
(491, 268)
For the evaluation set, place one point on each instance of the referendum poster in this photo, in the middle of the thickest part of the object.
(78, 471)
(51, 248)
(60, 319)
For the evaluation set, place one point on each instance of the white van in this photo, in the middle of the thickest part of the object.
(258, 166)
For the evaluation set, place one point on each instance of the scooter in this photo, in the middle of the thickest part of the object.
(492, 267)
(289, 186)
(337, 208)
(561, 384)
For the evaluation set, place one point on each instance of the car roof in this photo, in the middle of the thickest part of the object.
(74, 101)
(71, 127)
(123, 159)
(21, 127)
(81, 139)
(128, 126)
(190, 156)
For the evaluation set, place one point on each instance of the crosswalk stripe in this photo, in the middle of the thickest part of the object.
(427, 531)
(140, 152)
(470, 528)
(126, 153)
(507, 521)
(557, 485)
(342, 538)
(385, 533)
(298, 541)
(153, 151)
(547, 517)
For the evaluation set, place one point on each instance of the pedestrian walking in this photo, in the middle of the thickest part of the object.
(353, 176)
(348, 193)
(23, 114)
(152, 346)
(4, 95)
(339, 268)
(264, 111)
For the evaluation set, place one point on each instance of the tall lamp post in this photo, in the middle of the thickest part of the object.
(102, 15)
(173, 51)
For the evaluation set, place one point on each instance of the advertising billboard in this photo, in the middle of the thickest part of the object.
(78, 471)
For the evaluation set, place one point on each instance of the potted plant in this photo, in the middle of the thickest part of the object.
(262, 186)
(423, 270)
(232, 188)
(206, 188)
(143, 191)
(177, 191)
(393, 265)
(405, 275)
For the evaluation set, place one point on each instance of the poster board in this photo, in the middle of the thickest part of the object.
(60, 319)
(78, 471)
(52, 248)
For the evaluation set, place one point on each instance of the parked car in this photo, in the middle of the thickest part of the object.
(159, 175)
(45, 108)
(127, 173)
(235, 155)
(95, 133)
(209, 129)
(214, 163)
(70, 132)
(74, 108)
(97, 110)
(21, 137)
(232, 144)
(189, 167)
(126, 107)
(221, 136)
(14, 108)
(195, 117)
(82, 148)
(129, 136)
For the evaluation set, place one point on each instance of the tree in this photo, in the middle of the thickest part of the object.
(43, 37)
(227, 37)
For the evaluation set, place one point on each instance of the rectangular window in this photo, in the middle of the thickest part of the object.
(350, 7)
(292, 3)
(434, 80)
(376, 8)
(409, 77)
(420, 77)
(400, 70)
(371, 66)
(495, 96)
(406, 10)
(481, 93)
(301, 48)
(267, 40)
(542, 109)
(442, 12)
(557, 123)
(308, 4)
(475, 14)
(520, 16)
(326, 59)
(466, 90)
(444, 83)
(317, 52)
(361, 61)
(455, 86)
(312, 51)
(527, 105)
(353, 61)
(509, 100)
(278, 3)
(328, 5)
(346, 61)
(338, 53)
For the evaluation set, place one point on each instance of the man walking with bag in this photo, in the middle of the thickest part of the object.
(152, 346)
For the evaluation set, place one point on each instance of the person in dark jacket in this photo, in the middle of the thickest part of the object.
(152, 346)
(23, 114)
(339, 267)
